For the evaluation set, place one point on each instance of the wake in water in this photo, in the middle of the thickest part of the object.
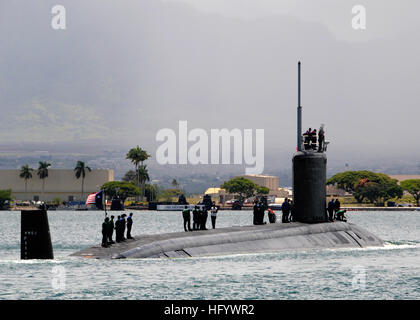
(388, 245)
(402, 244)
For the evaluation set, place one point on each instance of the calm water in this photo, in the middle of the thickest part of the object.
(384, 273)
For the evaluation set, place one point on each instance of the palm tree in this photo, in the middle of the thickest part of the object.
(26, 173)
(80, 171)
(43, 173)
(137, 155)
(143, 175)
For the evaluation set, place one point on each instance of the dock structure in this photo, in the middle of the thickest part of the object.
(238, 240)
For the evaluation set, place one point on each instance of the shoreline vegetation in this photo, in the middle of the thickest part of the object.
(348, 202)
(245, 208)
(406, 202)
(359, 190)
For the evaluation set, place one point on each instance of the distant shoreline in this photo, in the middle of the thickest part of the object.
(246, 208)
(352, 209)
(381, 208)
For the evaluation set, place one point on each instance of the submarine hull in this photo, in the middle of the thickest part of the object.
(239, 240)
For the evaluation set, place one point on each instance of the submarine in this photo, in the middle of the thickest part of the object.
(310, 230)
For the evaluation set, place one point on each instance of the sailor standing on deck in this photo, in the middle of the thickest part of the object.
(213, 213)
(261, 213)
(196, 218)
(187, 218)
(129, 225)
(292, 211)
(111, 230)
(105, 232)
(118, 229)
(123, 223)
(204, 215)
(200, 218)
(285, 208)
(256, 209)
(330, 209)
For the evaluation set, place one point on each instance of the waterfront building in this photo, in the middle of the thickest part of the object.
(270, 182)
(60, 184)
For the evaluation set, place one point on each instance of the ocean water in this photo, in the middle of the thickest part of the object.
(391, 272)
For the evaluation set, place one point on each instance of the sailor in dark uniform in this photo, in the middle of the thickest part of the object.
(123, 222)
(200, 218)
(129, 225)
(292, 211)
(330, 209)
(256, 210)
(196, 218)
(337, 206)
(105, 232)
(307, 138)
(111, 230)
(187, 218)
(118, 229)
(261, 213)
(321, 138)
(271, 216)
(204, 215)
(285, 208)
(313, 139)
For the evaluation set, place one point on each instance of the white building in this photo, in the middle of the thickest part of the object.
(60, 184)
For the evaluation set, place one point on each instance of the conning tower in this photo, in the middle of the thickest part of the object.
(309, 177)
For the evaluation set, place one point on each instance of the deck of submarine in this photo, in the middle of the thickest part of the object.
(352, 232)
(99, 252)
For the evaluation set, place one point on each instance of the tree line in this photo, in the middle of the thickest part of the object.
(376, 188)
(372, 187)
(244, 188)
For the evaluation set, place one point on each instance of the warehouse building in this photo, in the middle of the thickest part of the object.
(60, 184)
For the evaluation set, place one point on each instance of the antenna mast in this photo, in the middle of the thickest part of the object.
(299, 115)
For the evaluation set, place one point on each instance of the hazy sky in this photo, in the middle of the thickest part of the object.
(385, 17)
(122, 70)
